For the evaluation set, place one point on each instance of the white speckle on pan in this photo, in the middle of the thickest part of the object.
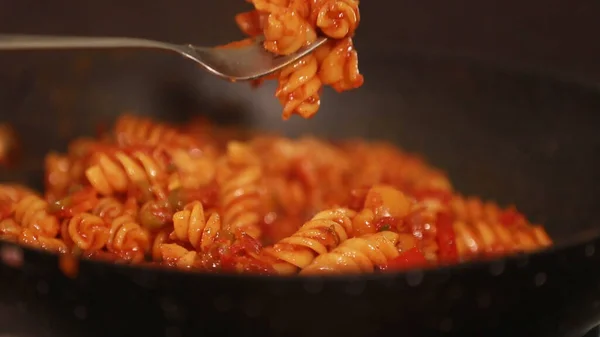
(80, 312)
(497, 268)
(484, 300)
(590, 250)
(253, 308)
(313, 286)
(414, 278)
(355, 288)
(12, 256)
(540, 279)
(172, 331)
(456, 292)
(446, 325)
(522, 261)
(222, 303)
(42, 287)
(22, 306)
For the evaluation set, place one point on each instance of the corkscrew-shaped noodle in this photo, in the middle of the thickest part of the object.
(240, 190)
(128, 239)
(192, 172)
(337, 19)
(123, 172)
(132, 130)
(14, 193)
(34, 239)
(190, 225)
(176, 256)
(159, 238)
(473, 209)
(299, 88)
(482, 238)
(285, 29)
(87, 231)
(58, 176)
(9, 229)
(339, 65)
(108, 209)
(31, 212)
(320, 235)
(357, 255)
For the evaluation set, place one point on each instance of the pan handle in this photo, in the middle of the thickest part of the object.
(31, 42)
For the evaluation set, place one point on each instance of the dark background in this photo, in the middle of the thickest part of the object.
(559, 35)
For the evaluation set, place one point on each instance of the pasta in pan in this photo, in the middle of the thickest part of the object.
(196, 198)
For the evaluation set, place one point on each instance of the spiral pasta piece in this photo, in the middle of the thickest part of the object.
(159, 238)
(14, 193)
(132, 130)
(9, 229)
(337, 19)
(357, 255)
(124, 172)
(34, 239)
(339, 65)
(479, 238)
(31, 213)
(192, 172)
(108, 209)
(88, 232)
(177, 256)
(320, 235)
(285, 29)
(299, 88)
(190, 225)
(58, 176)
(128, 239)
(241, 189)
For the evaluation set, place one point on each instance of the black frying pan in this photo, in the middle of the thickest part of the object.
(513, 136)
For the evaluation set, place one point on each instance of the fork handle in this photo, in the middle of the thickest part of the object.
(29, 42)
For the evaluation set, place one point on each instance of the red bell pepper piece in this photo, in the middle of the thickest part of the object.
(412, 258)
(446, 239)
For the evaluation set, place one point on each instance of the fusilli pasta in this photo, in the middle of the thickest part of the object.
(197, 198)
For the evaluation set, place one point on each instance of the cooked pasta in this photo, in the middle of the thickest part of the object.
(145, 192)
(192, 226)
(241, 190)
(357, 255)
(127, 239)
(289, 25)
(87, 232)
(321, 234)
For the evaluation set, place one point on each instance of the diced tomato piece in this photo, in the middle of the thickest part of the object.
(412, 258)
(446, 239)
(510, 217)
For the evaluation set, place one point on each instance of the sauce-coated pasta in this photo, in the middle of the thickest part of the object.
(196, 198)
(289, 25)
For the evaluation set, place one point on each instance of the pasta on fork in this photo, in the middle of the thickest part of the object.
(288, 25)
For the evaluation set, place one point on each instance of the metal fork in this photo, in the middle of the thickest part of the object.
(240, 63)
